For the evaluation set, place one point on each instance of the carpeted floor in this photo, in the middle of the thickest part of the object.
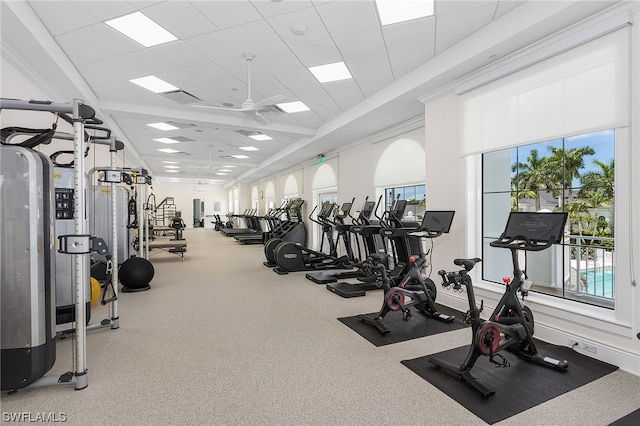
(222, 340)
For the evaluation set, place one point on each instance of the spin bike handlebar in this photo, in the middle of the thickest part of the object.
(521, 242)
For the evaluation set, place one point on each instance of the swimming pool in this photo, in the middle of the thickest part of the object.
(601, 281)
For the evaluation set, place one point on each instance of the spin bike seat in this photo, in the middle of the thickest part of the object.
(467, 264)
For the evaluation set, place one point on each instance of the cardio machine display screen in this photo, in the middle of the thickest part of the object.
(437, 221)
(367, 209)
(538, 227)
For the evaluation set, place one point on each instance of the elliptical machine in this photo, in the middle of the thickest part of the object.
(405, 287)
(292, 257)
(510, 325)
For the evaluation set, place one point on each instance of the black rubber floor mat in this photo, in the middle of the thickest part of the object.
(519, 387)
(631, 419)
(419, 326)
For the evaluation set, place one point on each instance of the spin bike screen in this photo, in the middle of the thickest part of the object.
(538, 227)
(437, 221)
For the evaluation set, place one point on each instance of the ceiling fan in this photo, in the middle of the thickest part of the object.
(249, 107)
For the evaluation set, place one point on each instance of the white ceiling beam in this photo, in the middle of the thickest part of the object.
(209, 117)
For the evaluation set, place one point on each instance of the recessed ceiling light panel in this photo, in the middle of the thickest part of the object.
(330, 72)
(163, 126)
(168, 150)
(290, 107)
(140, 28)
(394, 11)
(166, 140)
(261, 137)
(240, 156)
(155, 84)
(249, 148)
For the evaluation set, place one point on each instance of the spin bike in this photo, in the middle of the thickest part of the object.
(405, 287)
(510, 325)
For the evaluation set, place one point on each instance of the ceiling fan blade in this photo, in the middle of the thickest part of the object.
(271, 100)
(261, 119)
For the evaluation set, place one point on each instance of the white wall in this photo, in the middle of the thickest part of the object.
(444, 176)
(183, 196)
(355, 168)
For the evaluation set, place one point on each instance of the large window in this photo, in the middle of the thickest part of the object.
(573, 174)
(416, 200)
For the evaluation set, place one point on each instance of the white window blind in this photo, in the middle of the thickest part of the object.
(583, 89)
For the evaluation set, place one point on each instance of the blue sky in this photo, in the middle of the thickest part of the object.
(602, 142)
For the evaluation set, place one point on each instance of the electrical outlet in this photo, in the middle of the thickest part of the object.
(590, 348)
(574, 344)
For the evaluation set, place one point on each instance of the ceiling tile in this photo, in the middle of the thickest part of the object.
(296, 77)
(181, 78)
(78, 50)
(228, 46)
(373, 83)
(148, 61)
(180, 18)
(229, 13)
(459, 25)
(210, 73)
(317, 98)
(345, 93)
(309, 18)
(180, 53)
(62, 16)
(109, 70)
(103, 10)
(345, 17)
(119, 91)
(267, 85)
(317, 53)
(107, 39)
(369, 66)
(444, 7)
(360, 44)
(407, 35)
(209, 95)
(405, 61)
(235, 90)
(141, 4)
(271, 8)
(308, 119)
(441, 47)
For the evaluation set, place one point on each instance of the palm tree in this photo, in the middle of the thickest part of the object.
(600, 186)
(604, 179)
(566, 166)
(532, 177)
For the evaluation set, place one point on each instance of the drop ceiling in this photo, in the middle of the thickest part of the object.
(67, 44)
